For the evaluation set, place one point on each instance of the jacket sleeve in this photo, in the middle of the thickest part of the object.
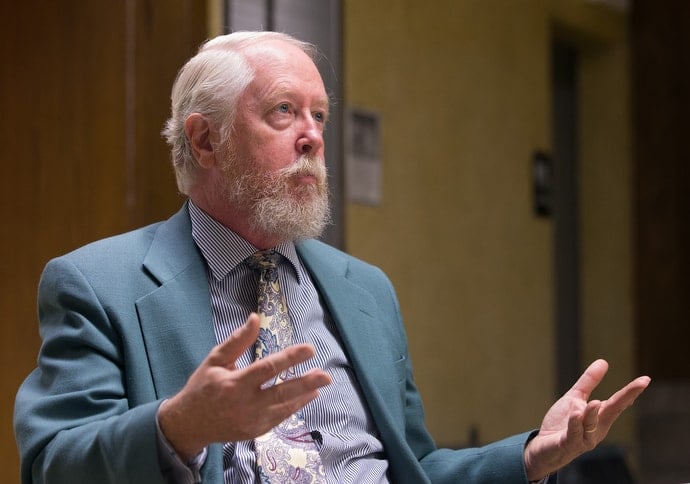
(73, 419)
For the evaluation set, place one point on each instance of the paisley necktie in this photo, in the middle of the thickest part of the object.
(286, 453)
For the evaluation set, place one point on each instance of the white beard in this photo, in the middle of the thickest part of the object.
(277, 208)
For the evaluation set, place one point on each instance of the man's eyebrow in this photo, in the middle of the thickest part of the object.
(286, 91)
(323, 103)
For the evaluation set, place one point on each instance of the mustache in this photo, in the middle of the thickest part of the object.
(309, 165)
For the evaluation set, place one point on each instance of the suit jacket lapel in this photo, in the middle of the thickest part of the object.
(363, 325)
(356, 316)
(176, 319)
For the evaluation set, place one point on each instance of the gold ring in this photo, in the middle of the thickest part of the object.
(591, 431)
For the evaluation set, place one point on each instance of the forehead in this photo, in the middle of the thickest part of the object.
(284, 69)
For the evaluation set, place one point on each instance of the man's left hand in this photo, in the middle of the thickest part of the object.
(574, 425)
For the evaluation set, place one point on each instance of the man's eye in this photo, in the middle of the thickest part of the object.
(284, 108)
(320, 117)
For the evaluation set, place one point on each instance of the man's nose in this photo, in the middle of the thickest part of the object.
(310, 138)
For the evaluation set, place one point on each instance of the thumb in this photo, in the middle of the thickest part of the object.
(589, 380)
(226, 353)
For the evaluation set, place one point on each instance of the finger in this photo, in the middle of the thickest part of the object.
(291, 395)
(295, 388)
(227, 352)
(589, 380)
(590, 418)
(264, 369)
(622, 399)
(279, 401)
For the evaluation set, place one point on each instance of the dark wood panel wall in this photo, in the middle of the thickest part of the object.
(661, 96)
(85, 91)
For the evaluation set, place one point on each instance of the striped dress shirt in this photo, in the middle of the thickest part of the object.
(351, 450)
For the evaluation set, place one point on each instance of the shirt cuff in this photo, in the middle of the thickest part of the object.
(173, 468)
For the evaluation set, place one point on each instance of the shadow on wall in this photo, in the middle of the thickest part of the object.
(603, 465)
(664, 433)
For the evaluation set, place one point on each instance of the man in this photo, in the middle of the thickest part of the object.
(147, 371)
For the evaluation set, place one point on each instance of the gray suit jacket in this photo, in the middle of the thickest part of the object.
(124, 322)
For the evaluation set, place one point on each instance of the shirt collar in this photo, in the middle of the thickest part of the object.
(224, 249)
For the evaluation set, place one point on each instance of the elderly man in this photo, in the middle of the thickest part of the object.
(226, 344)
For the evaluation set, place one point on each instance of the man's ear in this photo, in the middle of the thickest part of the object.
(201, 136)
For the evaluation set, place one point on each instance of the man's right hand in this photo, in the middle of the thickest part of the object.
(220, 403)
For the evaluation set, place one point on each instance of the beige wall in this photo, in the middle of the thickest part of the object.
(462, 88)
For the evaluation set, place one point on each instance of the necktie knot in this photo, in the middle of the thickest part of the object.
(263, 260)
(275, 331)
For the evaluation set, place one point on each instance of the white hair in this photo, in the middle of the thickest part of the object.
(211, 83)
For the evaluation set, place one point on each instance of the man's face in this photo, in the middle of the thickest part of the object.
(274, 167)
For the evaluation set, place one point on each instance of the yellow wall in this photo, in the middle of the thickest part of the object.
(462, 88)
